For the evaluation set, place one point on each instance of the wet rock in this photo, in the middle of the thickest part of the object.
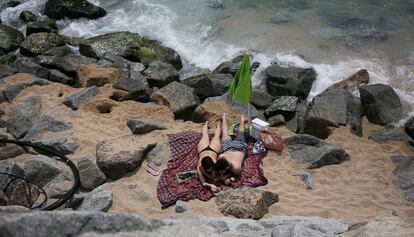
(261, 99)
(142, 126)
(333, 108)
(10, 39)
(21, 193)
(180, 207)
(97, 75)
(28, 16)
(153, 50)
(59, 185)
(46, 26)
(292, 81)
(160, 74)
(10, 151)
(74, 101)
(117, 156)
(352, 83)
(285, 105)
(409, 127)
(208, 85)
(39, 43)
(179, 98)
(70, 64)
(381, 104)
(315, 152)
(23, 116)
(390, 133)
(90, 174)
(13, 209)
(74, 9)
(246, 202)
(230, 67)
(41, 169)
(9, 167)
(160, 155)
(100, 199)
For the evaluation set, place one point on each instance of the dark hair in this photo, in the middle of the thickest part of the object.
(207, 162)
(221, 164)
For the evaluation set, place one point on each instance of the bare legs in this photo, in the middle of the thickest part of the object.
(224, 127)
(215, 142)
(205, 140)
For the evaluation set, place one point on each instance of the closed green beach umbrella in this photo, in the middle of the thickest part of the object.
(241, 87)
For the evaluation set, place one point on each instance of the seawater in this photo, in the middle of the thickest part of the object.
(336, 38)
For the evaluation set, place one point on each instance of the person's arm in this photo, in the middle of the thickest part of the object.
(203, 181)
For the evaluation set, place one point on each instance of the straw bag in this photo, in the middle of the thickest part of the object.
(272, 140)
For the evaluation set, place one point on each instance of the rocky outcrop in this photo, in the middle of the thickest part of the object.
(404, 171)
(246, 202)
(74, 9)
(285, 105)
(89, 173)
(390, 133)
(409, 127)
(74, 101)
(100, 199)
(27, 16)
(39, 43)
(208, 85)
(46, 26)
(10, 39)
(97, 75)
(142, 126)
(292, 81)
(352, 83)
(179, 98)
(160, 74)
(261, 99)
(23, 116)
(315, 152)
(381, 104)
(117, 156)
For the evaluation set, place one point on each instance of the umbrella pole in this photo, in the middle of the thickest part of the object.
(248, 117)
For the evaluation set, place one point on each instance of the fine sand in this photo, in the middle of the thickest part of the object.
(360, 189)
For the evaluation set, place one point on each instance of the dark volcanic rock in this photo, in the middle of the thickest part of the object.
(59, 9)
(30, 67)
(74, 101)
(230, 67)
(100, 199)
(208, 85)
(246, 202)
(333, 108)
(46, 26)
(117, 156)
(10, 39)
(261, 99)
(9, 167)
(160, 74)
(409, 127)
(27, 16)
(285, 105)
(41, 169)
(57, 76)
(381, 104)
(404, 170)
(11, 91)
(297, 123)
(390, 133)
(22, 117)
(70, 64)
(179, 98)
(291, 81)
(141, 126)
(153, 50)
(315, 152)
(90, 174)
(39, 43)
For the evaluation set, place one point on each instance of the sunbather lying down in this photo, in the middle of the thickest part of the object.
(221, 160)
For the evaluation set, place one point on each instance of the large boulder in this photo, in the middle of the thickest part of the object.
(246, 202)
(314, 151)
(74, 101)
(381, 104)
(409, 127)
(100, 199)
(333, 108)
(285, 105)
(261, 99)
(10, 39)
(153, 50)
(352, 83)
(230, 67)
(89, 173)
(46, 26)
(9, 167)
(23, 116)
(97, 75)
(69, 64)
(404, 171)
(208, 85)
(179, 98)
(291, 81)
(41, 169)
(117, 156)
(39, 43)
(390, 133)
(59, 9)
(160, 74)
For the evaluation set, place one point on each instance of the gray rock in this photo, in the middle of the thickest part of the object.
(261, 99)
(381, 104)
(227, 67)
(75, 201)
(297, 123)
(333, 108)
(153, 50)
(71, 63)
(100, 199)
(315, 152)
(38, 43)
(409, 127)
(404, 171)
(10, 151)
(58, 144)
(142, 126)
(180, 207)
(6, 71)
(59, 185)
(89, 173)
(22, 194)
(9, 167)
(115, 157)
(57, 76)
(306, 178)
(10, 39)
(390, 133)
(290, 81)
(41, 169)
(27, 16)
(13, 209)
(46, 123)
(22, 117)
(75, 100)
(179, 98)
(160, 74)
(74, 9)
(31, 68)
(11, 91)
(46, 26)
(160, 155)
(208, 85)
(285, 105)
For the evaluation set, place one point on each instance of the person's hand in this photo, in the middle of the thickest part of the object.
(213, 187)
